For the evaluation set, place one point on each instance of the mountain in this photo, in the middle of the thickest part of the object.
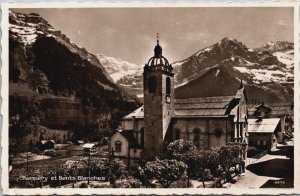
(279, 46)
(216, 70)
(219, 68)
(57, 84)
(284, 51)
(118, 68)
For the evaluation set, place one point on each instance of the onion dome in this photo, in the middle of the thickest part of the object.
(158, 59)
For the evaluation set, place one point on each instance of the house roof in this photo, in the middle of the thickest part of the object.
(276, 109)
(266, 125)
(88, 145)
(138, 113)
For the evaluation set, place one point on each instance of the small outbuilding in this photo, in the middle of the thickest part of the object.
(89, 148)
(263, 132)
(46, 144)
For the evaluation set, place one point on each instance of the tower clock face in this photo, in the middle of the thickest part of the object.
(168, 99)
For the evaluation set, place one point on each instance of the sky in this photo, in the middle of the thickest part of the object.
(130, 33)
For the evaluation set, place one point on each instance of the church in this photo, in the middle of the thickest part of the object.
(206, 121)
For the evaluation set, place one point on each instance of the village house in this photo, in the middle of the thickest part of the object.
(207, 121)
(283, 111)
(263, 132)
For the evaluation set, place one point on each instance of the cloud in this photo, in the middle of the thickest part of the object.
(195, 36)
(282, 22)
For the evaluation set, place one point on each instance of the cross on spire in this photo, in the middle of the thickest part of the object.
(157, 37)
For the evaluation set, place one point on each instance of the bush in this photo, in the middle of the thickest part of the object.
(84, 185)
(165, 171)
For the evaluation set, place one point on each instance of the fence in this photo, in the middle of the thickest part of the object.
(253, 160)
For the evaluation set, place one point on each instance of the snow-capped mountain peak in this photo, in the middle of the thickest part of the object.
(118, 68)
(229, 60)
(278, 46)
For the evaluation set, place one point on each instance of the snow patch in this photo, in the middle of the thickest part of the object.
(286, 58)
(263, 75)
(217, 73)
(204, 50)
(118, 68)
(106, 87)
(178, 63)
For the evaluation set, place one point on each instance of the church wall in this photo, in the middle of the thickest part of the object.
(217, 124)
(167, 108)
(206, 126)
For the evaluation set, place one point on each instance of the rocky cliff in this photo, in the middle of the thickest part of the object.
(55, 83)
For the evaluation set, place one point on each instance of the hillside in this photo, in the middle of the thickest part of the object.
(57, 84)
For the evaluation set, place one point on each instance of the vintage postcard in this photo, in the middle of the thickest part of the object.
(150, 98)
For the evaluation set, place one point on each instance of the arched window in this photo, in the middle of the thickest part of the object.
(142, 137)
(152, 84)
(168, 86)
(177, 137)
(218, 132)
(118, 146)
(196, 138)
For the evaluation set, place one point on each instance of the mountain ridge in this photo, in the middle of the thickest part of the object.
(265, 65)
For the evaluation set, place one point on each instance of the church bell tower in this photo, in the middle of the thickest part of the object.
(158, 101)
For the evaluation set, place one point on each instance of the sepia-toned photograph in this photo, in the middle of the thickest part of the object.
(151, 97)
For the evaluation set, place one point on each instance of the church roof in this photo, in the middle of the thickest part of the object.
(195, 107)
(204, 106)
(267, 125)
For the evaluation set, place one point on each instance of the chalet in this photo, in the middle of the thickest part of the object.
(263, 132)
(284, 111)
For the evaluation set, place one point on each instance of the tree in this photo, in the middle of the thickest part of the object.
(117, 171)
(165, 171)
(229, 156)
(118, 168)
(179, 147)
(178, 150)
(202, 161)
